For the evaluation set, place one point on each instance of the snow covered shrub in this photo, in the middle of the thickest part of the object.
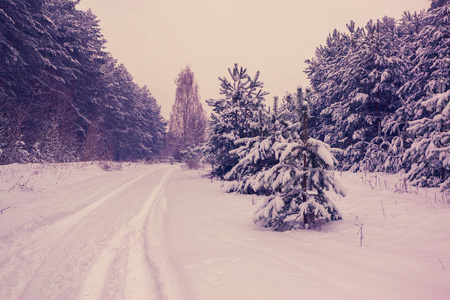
(299, 179)
(192, 157)
(375, 157)
(110, 166)
(14, 152)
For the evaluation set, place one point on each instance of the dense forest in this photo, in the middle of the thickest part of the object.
(62, 96)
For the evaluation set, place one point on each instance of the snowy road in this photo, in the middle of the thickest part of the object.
(109, 248)
(75, 231)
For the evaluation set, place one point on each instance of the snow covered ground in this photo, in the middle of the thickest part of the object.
(76, 231)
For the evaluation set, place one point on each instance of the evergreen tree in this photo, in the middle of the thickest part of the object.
(382, 82)
(332, 79)
(430, 151)
(426, 95)
(234, 117)
(22, 29)
(77, 68)
(395, 125)
(299, 180)
(428, 53)
(438, 3)
(153, 122)
(130, 126)
(255, 154)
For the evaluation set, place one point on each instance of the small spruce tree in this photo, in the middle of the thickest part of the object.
(299, 179)
(255, 154)
(234, 117)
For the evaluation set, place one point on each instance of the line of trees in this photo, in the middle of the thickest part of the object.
(62, 97)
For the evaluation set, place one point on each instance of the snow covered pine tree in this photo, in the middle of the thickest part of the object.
(255, 155)
(430, 151)
(233, 118)
(429, 91)
(300, 178)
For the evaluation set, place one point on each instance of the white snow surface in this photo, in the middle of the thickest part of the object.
(75, 231)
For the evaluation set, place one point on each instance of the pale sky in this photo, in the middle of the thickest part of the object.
(155, 39)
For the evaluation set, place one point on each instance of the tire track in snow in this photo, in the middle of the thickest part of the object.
(149, 272)
(26, 261)
(141, 254)
(156, 247)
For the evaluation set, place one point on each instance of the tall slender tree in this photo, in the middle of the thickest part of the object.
(187, 120)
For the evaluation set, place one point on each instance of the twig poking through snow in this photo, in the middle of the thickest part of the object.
(360, 231)
(1, 211)
(441, 263)
(382, 208)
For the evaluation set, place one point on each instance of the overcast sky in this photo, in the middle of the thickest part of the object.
(155, 39)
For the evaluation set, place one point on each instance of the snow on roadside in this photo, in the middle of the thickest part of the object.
(41, 193)
(39, 177)
(221, 254)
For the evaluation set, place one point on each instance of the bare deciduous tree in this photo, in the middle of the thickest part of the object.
(187, 120)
